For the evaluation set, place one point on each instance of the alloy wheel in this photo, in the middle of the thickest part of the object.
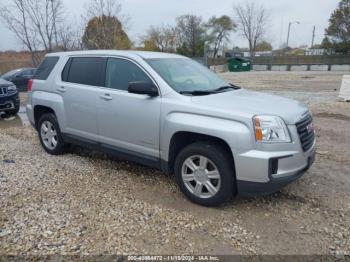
(201, 176)
(48, 135)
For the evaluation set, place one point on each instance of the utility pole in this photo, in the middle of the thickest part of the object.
(206, 54)
(313, 37)
(289, 26)
(290, 23)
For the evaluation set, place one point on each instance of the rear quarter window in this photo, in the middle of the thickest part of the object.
(45, 68)
(85, 70)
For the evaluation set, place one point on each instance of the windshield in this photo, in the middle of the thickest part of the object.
(186, 75)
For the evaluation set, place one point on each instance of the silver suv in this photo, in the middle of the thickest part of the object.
(169, 112)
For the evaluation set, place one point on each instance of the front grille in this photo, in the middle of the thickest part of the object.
(306, 132)
(3, 91)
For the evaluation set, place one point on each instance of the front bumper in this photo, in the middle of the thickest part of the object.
(262, 172)
(252, 189)
(9, 102)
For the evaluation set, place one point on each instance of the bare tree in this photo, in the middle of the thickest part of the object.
(66, 36)
(108, 8)
(44, 15)
(155, 36)
(162, 38)
(17, 21)
(69, 38)
(103, 7)
(34, 22)
(172, 38)
(252, 21)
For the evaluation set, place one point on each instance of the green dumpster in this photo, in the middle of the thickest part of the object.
(238, 64)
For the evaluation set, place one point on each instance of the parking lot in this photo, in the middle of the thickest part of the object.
(89, 203)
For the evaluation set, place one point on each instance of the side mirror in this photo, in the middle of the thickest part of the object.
(143, 88)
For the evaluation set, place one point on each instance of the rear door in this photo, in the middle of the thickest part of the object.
(126, 121)
(82, 77)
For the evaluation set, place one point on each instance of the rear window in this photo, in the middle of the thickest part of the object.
(85, 70)
(45, 68)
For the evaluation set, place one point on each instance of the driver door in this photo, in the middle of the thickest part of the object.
(128, 122)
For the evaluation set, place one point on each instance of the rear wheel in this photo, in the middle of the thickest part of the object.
(205, 173)
(50, 134)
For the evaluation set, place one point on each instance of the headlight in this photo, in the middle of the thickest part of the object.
(11, 88)
(270, 129)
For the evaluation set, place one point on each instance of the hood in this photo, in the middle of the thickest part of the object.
(4, 82)
(252, 103)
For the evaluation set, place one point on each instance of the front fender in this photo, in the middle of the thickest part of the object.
(236, 134)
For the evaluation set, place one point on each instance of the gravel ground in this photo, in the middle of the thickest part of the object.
(89, 203)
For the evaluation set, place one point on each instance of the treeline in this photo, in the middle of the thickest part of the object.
(42, 25)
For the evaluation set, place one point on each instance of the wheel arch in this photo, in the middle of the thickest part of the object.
(46, 102)
(40, 110)
(181, 139)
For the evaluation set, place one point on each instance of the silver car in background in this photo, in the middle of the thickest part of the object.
(169, 112)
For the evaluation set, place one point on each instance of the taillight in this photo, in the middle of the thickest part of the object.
(30, 85)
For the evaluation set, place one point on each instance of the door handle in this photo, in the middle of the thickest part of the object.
(106, 97)
(62, 89)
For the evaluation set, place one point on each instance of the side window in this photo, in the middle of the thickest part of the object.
(21, 73)
(66, 70)
(120, 72)
(45, 68)
(85, 70)
(25, 72)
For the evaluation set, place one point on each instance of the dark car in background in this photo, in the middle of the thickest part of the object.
(9, 99)
(20, 77)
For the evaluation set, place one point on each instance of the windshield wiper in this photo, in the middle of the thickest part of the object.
(209, 92)
(221, 88)
(197, 92)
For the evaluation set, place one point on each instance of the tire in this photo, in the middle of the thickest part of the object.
(13, 112)
(51, 140)
(222, 185)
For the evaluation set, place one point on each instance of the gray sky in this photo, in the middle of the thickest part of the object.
(144, 13)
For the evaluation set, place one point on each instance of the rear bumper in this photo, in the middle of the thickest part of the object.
(9, 102)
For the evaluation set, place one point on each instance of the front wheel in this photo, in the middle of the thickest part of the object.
(205, 173)
(13, 112)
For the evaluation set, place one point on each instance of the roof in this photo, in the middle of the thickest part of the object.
(26, 68)
(127, 53)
